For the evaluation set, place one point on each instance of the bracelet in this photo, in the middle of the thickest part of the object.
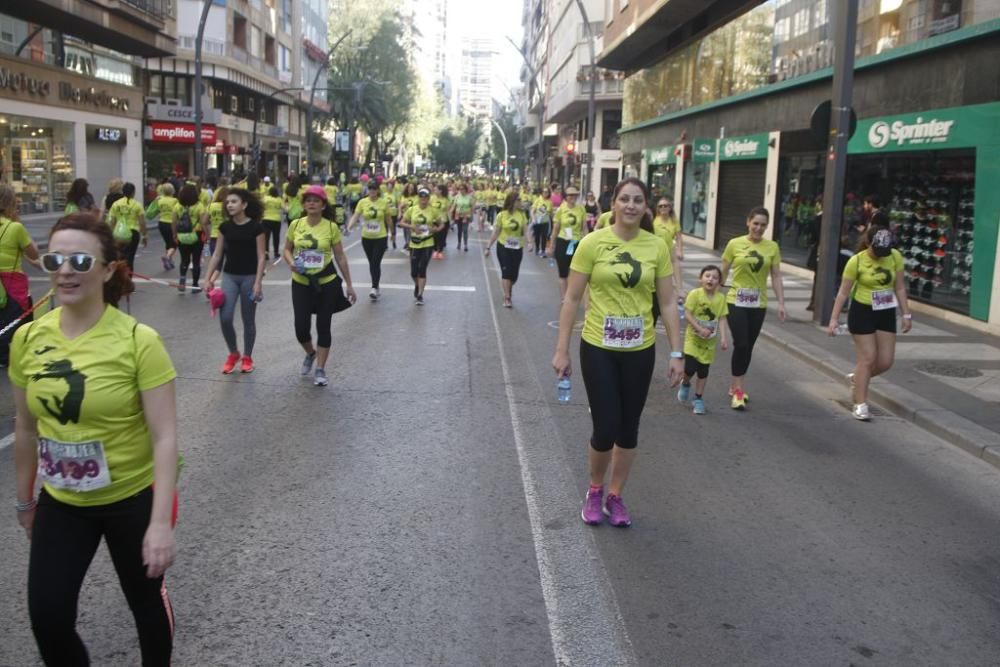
(907, 316)
(26, 507)
(676, 355)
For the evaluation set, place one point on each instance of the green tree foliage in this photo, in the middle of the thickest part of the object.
(456, 147)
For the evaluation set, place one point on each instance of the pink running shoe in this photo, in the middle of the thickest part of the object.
(617, 513)
(591, 513)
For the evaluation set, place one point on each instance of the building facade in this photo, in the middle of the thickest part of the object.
(722, 118)
(259, 60)
(71, 94)
(475, 89)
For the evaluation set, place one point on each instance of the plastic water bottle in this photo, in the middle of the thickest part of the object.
(680, 311)
(564, 389)
(841, 330)
(206, 251)
(552, 261)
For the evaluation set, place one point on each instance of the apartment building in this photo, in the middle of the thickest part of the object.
(259, 60)
(71, 93)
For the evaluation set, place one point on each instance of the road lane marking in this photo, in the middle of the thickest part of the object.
(585, 621)
(7, 441)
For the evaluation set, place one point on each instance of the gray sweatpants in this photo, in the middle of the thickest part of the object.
(239, 288)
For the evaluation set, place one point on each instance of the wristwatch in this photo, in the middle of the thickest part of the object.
(676, 355)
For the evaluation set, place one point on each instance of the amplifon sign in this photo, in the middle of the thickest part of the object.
(933, 131)
(181, 133)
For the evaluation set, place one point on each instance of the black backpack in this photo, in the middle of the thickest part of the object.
(184, 224)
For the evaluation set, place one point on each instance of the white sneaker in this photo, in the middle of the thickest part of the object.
(861, 412)
(374, 294)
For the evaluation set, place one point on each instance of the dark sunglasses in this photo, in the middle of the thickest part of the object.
(80, 262)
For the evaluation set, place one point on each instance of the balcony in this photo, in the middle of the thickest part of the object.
(134, 27)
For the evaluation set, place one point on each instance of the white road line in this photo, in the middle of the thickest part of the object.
(585, 622)
(7, 441)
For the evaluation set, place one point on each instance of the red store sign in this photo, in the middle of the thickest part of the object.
(180, 133)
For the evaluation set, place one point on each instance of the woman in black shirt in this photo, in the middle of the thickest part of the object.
(244, 245)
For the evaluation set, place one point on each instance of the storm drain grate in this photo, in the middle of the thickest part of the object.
(949, 370)
(874, 410)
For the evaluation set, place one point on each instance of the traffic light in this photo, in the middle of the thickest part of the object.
(570, 148)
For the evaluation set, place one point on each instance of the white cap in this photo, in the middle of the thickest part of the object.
(267, 179)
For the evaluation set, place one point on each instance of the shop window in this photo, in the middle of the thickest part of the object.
(36, 160)
(611, 122)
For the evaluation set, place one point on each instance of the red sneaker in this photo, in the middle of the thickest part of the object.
(246, 366)
(230, 364)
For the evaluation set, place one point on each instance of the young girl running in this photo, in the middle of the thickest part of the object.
(243, 245)
(509, 234)
(705, 310)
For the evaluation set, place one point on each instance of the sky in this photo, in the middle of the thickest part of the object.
(496, 19)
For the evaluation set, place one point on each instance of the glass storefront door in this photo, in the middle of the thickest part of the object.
(36, 160)
(694, 210)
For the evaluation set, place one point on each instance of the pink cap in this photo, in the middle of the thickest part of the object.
(315, 191)
(364, 177)
(216, 299)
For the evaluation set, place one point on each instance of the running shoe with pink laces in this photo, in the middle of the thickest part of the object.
(591, 513)
(617, 513)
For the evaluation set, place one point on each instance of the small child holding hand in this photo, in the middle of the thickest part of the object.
(705, 310)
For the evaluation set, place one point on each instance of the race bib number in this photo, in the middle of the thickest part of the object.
(623, 332)
(78, 466)
(373, 226)
(512, 244)
(423, 230)
(711, 325)
(311, 259)
(748, 297)
(883, 299)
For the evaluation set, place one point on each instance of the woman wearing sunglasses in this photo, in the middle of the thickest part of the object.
(15, 243)
(96, 422)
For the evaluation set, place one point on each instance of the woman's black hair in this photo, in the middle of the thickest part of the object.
(253, 182)
(274, 191)
(77, 191)
(120, 284)
(188, 196)
(443, 190)
(129, 190)
(328, 208)
(647, 217)
(293, 185)
(254, 209)
(759, 210)
(710, 267)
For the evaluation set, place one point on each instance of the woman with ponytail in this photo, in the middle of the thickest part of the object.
(97, 423)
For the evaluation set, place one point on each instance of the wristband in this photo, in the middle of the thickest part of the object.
(907, 316)
(676, 355)
(26, 507)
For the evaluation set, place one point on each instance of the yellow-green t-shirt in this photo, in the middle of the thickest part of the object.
(216, 216)
(87, 392)
(622, 280)
(571, 221)
(441, 205)
(306, 239)
(392, 201)
(14, 238)
(604, 220)
(707, 311)
(422, 219)
(165, 205)
(543, 210)
(129, 210)
(372, 212)
(512, 227)
(749, 265)
(272, 207)
(195, 212)
(666, 230)
(463, 205)
(873, 275)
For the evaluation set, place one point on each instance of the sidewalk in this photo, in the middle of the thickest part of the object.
(946, 378)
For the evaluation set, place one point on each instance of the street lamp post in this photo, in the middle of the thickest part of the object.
(591, 107)
(312, 96)
(199, 153)
(506, 149)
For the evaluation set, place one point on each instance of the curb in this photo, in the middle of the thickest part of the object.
(954, 429)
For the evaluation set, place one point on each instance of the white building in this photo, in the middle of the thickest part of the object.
(475, 92)
(429, 22)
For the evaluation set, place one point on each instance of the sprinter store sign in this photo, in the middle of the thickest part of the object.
(936, 129)
(899, 133)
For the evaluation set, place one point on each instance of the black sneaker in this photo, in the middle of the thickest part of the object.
(419, 300)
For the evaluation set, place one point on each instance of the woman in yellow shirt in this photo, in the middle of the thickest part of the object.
(15, 244)
(97, 423)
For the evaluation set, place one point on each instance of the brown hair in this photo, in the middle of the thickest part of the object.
(647, 217)
(120, 283)
(8, 201)
(760, 210)
(509, 200)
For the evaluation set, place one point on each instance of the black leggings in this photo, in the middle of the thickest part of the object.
(462, 231)
(541, 233)
(510, 262)
(64, 540)
(441, 238)
(694, 367)
(191, 254)
(128, 251)
(374, 250)
(617, 384)
(167, 232)
(562, 259)
(273, 230)
(419, 259)
(306, 301)
(745, 325)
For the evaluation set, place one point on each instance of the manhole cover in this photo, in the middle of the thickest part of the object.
(949, 370)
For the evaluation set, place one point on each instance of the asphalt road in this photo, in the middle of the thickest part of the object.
(424, 508)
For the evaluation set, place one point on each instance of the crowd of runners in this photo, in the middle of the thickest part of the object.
(94, 389)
